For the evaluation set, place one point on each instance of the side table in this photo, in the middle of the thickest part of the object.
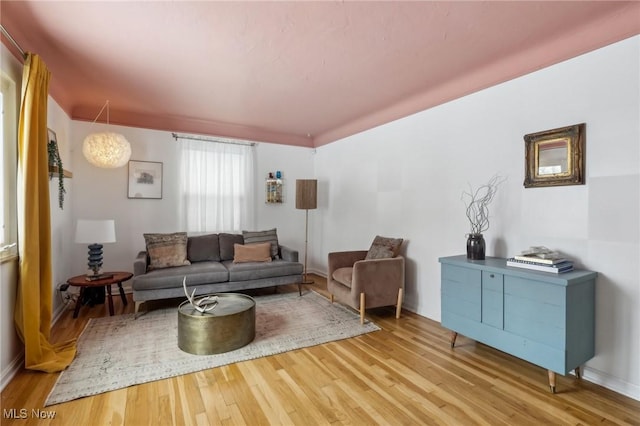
(114, 278)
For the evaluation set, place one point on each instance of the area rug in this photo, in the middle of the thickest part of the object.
(120, 351)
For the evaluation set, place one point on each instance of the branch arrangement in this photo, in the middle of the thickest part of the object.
(477, 203)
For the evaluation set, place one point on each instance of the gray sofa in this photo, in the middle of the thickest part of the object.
(210, 268)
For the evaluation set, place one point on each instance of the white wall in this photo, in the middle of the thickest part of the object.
(405, 179)
(294, 163)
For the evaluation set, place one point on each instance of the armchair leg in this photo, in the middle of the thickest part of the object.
(331, 297)
(399, 304)
(362, 305)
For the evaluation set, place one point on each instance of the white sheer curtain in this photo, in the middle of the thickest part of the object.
(217, 186)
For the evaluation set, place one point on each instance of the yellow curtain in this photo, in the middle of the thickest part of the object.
(34, 296)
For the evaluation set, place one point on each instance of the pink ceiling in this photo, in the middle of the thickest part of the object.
(300, 73)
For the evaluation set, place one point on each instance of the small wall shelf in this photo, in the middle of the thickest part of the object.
(273, 191)
(65, 173)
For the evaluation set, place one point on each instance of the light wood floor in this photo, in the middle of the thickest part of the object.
(404, 374)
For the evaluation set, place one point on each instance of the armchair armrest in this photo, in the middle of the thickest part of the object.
(140, 263)
(379, 277)
(344, 259)
(288, 254)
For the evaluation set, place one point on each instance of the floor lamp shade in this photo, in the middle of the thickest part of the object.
(306, 194)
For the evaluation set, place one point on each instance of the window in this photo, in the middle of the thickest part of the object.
(8, 164)
(216, 186)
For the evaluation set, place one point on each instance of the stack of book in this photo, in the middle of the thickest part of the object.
(539, 261)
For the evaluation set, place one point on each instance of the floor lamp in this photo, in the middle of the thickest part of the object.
(306, 199)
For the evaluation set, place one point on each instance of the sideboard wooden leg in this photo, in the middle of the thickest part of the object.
(552, 381)
(578, 372)
(453, 337)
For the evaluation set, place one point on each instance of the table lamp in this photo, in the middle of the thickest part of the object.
(95, 233)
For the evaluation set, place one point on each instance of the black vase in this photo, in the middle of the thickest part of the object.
(475, 247)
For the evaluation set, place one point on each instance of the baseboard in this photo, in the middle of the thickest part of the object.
(16, 365)
(612, 383)
(317, 272)
(9, 373)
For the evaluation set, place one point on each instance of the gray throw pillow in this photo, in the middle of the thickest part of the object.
(226, 244)
(270, 235)
(203, 248)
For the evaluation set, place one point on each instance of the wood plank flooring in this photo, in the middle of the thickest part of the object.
(405, 374)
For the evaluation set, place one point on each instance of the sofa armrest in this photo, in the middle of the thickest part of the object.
(140, 263)
(344, 259)
(288, 254)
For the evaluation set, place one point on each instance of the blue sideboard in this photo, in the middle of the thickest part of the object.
(544, 318)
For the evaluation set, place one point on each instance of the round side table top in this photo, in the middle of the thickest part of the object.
(117, 277)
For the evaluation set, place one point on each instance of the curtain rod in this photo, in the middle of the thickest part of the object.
(213, 139)
(13, 41)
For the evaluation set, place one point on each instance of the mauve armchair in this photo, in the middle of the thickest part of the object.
(365, 283)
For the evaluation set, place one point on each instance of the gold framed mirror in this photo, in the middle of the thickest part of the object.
(555, 157)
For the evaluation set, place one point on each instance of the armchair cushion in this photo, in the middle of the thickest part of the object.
(384, 248)
(344, 276)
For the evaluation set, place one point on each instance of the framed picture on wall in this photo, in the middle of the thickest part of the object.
(145, 179)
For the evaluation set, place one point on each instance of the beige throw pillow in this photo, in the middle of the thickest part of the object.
(166, 250)
(270, 235)
(384, 248)
(260, 252)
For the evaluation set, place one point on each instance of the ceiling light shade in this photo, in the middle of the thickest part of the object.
(107, 150)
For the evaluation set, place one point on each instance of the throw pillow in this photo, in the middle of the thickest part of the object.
(270, 235)
(383, 248)
(260, 252)
(166, 250)
(227, 241)
(203, 248)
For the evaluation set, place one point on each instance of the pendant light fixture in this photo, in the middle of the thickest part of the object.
(107, 149)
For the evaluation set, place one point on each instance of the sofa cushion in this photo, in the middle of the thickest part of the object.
(383, 248)
(197, 274)
(226, 244)
(344, 276)
(166, 250)
(260, 252)
(270, 235)
(259, 270)
(203, 248)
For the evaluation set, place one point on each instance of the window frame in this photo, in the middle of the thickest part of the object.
(8, 168)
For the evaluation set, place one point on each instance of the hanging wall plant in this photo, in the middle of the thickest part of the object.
(55, 164)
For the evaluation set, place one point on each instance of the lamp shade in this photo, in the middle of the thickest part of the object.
(107, 150)
(95, 231)
(306, 194)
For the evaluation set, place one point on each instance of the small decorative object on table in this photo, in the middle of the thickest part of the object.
(477, 202)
